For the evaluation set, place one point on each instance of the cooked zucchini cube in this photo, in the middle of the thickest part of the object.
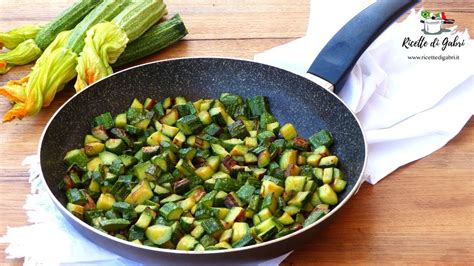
(105, 120)
(77, 157)
(114, 224)
(295, 183)
(212, 225)
(327, 195)
(140, 193)
(159, 234)
(171, 211)
(322, 137)
(189, 124)
(238, 130)
(328, 161)
(187, 242)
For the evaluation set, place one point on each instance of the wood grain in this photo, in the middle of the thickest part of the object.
(423, 213)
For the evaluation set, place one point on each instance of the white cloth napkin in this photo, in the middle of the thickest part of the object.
(408, 108)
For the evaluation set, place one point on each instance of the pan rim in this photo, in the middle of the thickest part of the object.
(81, 223)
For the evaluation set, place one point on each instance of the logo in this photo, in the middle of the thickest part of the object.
(431, 33)
(433, 22)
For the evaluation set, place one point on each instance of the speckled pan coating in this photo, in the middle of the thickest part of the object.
(292, 99)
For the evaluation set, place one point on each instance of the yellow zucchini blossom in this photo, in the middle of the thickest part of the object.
(24, 53)
(38, 89)
(103, 45)
(13, 38)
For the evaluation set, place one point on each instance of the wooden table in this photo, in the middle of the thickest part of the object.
(421, 213)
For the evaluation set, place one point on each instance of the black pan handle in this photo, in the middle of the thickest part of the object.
(338, 57)
(448, 21)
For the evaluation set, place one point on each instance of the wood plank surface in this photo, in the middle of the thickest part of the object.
(423, 213)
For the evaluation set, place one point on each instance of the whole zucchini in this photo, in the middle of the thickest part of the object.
(65, 21)
(156, 38)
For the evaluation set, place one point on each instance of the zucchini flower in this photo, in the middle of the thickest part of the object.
(99, 50)
(35, 91)
(13, 38)
(24, 53)
(105, 42)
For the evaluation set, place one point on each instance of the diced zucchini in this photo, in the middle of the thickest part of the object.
(327, 195)
(171, 211)
(338, 185)
(76, 157)
(114, 224)
(270, 202)
(105, 201)
(235, 214)
(121, 120)
(198, 231)
(314, 159)
(104, 120)
(286, 219)
(288, 157)
(257, 105)
(156, 138)
(179, 139)
(90, 139)
(184, 167)
(313, 217)
(76, 196)
(219, 150)
(172, 198)
(145, 170)
(205, 172)
(75, 209)
(327, 175)
(205, 118)
(267, 229)
(100, 132)
(170, 118)
(145, 218)
(270, 187)
(238, 130)
(169, 131)
(108, 158)
(116, 146)
(295, 183)
(140, 193)
(229, 144)
(288, 131)
(159, 234)
(299, 199)
(246, 240)
(187, 242)
(322, 137)
(328, 161)
(232, 200)
(189, 124)
(239, 230)
(127, 160)
(250, 158)
(239, 150)
(212, 225)
(93, 148)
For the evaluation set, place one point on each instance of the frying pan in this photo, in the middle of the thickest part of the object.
(292, 98)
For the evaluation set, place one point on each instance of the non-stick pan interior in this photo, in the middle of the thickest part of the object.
(292, 99)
